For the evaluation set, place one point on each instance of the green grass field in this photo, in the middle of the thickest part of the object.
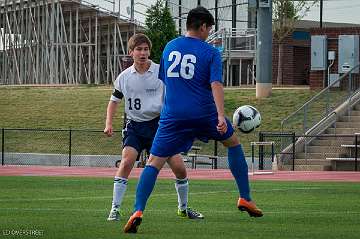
(84, 107)
(61, 207)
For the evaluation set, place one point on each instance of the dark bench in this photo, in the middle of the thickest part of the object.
(203, 159)
(344, 164)
(200, 159)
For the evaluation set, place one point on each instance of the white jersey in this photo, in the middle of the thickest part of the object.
(143, 93)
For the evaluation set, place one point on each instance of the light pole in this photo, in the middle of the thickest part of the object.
(321, 13)
(180, 7)
(264, 49)
(131, 11)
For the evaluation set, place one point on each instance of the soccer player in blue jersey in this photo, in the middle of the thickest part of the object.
(191, 70)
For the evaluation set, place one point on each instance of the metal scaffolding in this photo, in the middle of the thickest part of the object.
(238, 51)
(61, 42)
(234, 35)
(227, 13)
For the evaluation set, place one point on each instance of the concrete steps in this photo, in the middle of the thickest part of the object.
(329, 142)
(342, 130)
(325, 149)
(355, 112)
(350, 124)
(322, 156)
(307, 167)
(336, 138)
(328, 146)
(351, 118)
(312, 161)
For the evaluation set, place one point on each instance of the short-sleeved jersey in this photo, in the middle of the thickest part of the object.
(143, 93)
(188, 67)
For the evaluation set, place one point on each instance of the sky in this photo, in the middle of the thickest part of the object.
(346, 11)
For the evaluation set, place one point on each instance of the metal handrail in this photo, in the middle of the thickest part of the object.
(321, 122)
(317, 96)
(232, 32)
(214, 35)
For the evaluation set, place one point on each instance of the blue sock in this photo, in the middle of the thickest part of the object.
(145, 186)
(239, 170)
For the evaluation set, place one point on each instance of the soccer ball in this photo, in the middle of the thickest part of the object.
(246, 118)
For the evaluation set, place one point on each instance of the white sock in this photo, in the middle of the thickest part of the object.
(120, 185)
(182, 189)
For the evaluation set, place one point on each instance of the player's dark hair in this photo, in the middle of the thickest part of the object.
(138, 39)
(197, 17)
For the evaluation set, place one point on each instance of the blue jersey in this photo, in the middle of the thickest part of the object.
(188, 67)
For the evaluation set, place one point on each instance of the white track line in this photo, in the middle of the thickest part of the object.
(159, 211)
(157, 195)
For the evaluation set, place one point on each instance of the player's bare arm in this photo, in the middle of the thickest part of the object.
(111, 109)
(218, 93)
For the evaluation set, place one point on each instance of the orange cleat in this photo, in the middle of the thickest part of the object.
(249, 207)
(134, 222)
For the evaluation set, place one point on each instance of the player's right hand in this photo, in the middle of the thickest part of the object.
(108, 131)
(222, 126)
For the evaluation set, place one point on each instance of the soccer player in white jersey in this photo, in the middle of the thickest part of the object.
(143, 93)
(191, 70)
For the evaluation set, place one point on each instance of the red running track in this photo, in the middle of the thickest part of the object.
(219, 174)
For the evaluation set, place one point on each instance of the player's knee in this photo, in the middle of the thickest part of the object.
(126, 166)
(156, 162)
(180, 173)
(231, 142)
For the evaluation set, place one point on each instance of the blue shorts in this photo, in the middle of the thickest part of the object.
(173, 137)
(140, 135)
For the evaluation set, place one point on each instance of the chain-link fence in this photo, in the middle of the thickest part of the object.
(314, 152)
(76, 147)
(86, 147)
(59, 147)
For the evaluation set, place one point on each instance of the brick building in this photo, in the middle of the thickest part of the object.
(318, 79)
(296, 52)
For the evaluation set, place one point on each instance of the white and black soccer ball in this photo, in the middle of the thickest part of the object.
(246, 118)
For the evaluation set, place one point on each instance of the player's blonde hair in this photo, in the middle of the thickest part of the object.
(137, 40)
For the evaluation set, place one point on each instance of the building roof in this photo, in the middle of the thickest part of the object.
(307, 24)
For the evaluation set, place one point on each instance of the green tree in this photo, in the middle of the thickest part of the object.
(285, 14)
(160, 28)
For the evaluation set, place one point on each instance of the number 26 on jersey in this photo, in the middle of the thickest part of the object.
(187, 65)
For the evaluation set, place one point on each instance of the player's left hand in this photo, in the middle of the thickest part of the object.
(222, 126)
